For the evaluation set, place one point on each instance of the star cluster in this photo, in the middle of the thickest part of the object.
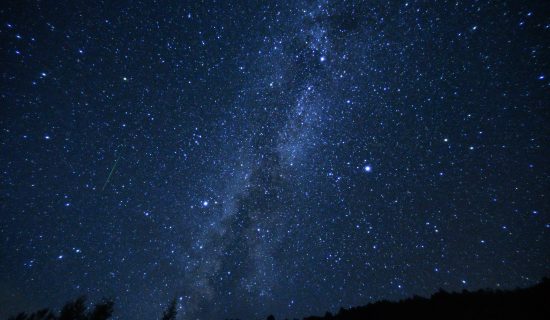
(262, 157)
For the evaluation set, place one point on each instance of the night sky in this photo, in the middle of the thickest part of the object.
(270, 158)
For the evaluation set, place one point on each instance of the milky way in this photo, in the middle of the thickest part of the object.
(282, 158)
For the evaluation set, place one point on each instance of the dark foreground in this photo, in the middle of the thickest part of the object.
(528, 303)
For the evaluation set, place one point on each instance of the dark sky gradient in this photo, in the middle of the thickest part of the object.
(256, 158)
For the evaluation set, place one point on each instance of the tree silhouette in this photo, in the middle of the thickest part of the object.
(102, 311)
(44, 314)
(171, 312)
(526, 303)
(72, 310)
(75, 310)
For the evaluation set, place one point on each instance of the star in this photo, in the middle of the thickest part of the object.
(217, 154)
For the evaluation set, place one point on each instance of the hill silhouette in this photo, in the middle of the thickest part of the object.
(525, 303)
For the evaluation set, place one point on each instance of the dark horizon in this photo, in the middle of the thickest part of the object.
(251, 156)
(530, 303)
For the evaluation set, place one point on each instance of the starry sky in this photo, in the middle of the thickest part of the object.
(288, 157)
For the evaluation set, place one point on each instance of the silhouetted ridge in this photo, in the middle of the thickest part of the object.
(528, 303)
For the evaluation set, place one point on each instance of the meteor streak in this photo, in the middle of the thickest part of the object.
(110, 174)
